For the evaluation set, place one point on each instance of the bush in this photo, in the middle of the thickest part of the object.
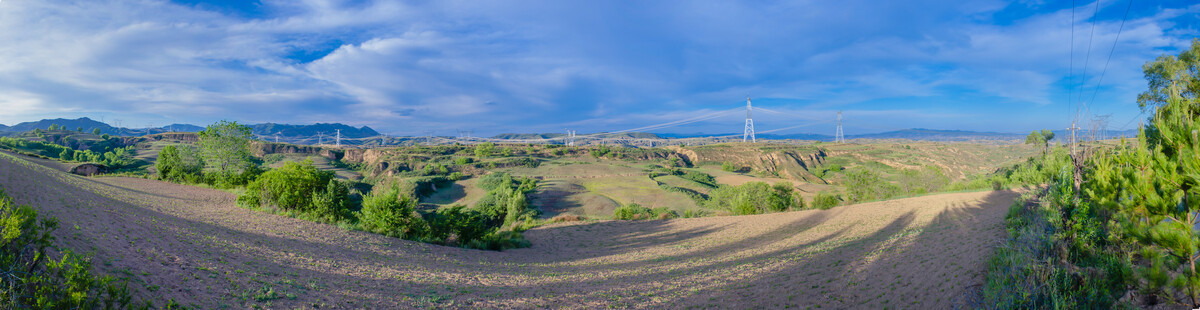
(499, 241)
(863, 184)
(455, 176)
(752, 198)
(634, 211)
(457, 223)
(825, 201)
(727, 166)
(290, 187)
(700, 178)
(485, 149)
(390, 214)
(332, 204)
(31, 281)
(463, 160)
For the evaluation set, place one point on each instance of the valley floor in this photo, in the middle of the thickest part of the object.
(194, 245)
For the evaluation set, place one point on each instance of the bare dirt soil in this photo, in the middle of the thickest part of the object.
(194, 245)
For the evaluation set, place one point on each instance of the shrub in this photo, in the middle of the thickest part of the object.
(485, 149)
(499, 241)
(455, 176)
(728, 166)
(634, 211)
(863, 184)
(825, 201)
(290, 187)
(31, 281)
(463, 160)
(752, 198)
(332, 204)
(494, 180)
(700, 178)
(566, 218)
(390, 214)
(457, 223)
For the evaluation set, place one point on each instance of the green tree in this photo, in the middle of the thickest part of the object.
(1171, 77)
(226, 147)
(79, 129)
(485, 149)
(67, 155)
(96, 131)
(179, 164)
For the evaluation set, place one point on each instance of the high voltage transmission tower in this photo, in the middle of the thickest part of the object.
(570, 138)
(838, 136)
(320, 137)
(339, 138)
(749, 132)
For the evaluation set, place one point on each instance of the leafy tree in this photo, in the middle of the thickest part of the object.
(1040, 138)
(79, 129)
(96, 131)
(179, 164)
(1171, 78)
(485, 149)
(226, 147)
(67, 155)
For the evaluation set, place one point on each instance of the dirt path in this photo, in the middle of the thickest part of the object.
(193, 245)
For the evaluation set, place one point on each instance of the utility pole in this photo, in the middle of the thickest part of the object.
(339, 138)
(839, 137)
(1102, 122)
(749, 132)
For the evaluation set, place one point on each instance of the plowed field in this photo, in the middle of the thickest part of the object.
(194, 245)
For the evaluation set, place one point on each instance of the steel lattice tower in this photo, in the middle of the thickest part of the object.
(749, 132)
(839, 137)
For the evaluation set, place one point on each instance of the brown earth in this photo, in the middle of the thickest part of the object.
(194, 245)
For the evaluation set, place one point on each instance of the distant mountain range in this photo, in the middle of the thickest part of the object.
(302, 134)
(329, 130)
(265, 130)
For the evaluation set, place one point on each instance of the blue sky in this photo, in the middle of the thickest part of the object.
(548, 66)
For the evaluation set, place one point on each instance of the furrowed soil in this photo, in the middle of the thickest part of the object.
(195, 246)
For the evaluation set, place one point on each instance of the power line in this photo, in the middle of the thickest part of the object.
(1111, 50)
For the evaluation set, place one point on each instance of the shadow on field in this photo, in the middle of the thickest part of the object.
(885, 269)
(446, 195)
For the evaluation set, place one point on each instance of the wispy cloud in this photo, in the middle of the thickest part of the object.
(531, 66)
